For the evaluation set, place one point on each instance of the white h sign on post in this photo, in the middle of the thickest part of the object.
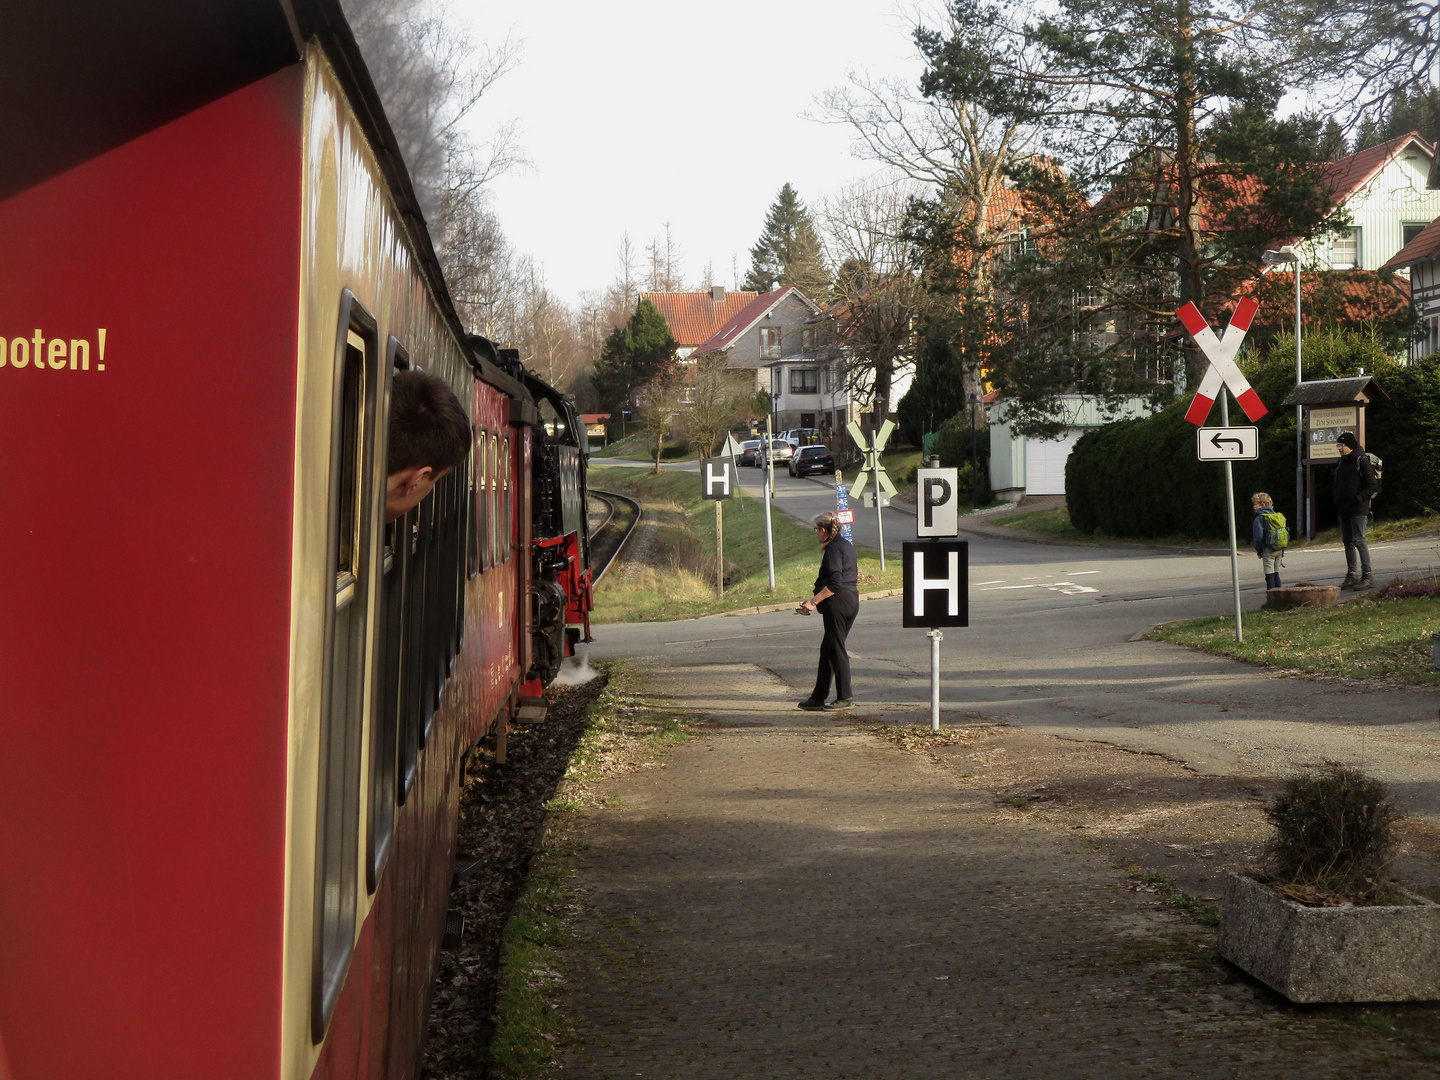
(937, 509)
(937, 589)
(716, 474)
(937, 593)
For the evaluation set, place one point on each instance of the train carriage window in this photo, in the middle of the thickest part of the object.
(495, 516)
(508, 543)
(352, 514)
(388, 715)
(482, 479)
(472, 528)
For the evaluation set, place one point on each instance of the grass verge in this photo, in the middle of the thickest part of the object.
(1055, 524)
(1364, 638)
(625, 732)
(670, 567)
(638, 447)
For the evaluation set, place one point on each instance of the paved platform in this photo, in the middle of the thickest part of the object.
(792, 897)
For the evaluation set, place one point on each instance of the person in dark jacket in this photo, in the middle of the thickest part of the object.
(837, 598)
(1355, 483)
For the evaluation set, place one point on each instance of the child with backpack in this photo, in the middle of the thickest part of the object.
(1272, 537)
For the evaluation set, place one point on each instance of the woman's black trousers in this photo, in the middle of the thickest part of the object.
(839, 613)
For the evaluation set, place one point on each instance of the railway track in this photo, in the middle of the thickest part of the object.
(608, 539)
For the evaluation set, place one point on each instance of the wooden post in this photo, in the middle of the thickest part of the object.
(719, 550)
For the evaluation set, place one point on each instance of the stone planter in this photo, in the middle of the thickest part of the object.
(1313, 954)
(1289, 597)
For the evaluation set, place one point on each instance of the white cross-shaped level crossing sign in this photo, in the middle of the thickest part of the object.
(1221, 354)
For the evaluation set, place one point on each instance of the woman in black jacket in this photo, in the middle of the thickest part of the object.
(837, 598)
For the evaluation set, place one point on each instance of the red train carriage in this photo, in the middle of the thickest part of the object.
(235, 703)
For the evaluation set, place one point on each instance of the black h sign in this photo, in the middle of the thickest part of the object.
(716, 478)
(937, 584)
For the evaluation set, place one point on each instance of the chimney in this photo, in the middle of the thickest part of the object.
(717, 293)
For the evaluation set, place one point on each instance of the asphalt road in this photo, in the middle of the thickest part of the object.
(1048, 647)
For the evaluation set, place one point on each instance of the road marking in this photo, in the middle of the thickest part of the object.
(1069, 588)
(997, 581)
(1078, 573)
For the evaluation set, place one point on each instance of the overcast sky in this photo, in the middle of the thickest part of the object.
(646, 111)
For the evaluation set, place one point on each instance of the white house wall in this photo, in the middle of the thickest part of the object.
(1395, 196)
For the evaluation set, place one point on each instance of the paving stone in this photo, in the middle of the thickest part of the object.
(792, 898)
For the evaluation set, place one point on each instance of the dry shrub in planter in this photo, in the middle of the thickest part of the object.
(1334, 835)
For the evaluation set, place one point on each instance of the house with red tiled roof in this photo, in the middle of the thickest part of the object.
(695, 317)
(784, 337)
(1383, 190)
(1421, 257)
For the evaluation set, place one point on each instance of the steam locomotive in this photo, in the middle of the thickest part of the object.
(235, 702)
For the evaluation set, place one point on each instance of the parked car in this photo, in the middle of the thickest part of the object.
(748, 449)
(780, 450)
(802, 436)
(812, 459)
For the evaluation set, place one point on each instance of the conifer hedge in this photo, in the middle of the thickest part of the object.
(1141, 478)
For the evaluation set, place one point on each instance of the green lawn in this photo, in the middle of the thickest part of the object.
(638, 447)
(1360, 639)
(679, 580)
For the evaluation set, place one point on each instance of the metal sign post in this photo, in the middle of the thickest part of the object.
(765, 483)
(718, 481)
(843, 513)
(1225, 445)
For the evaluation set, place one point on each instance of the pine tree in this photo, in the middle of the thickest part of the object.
(788, 251)
(1170, 174)
(642, 351)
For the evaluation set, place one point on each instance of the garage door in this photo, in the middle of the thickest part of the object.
(1045, 463)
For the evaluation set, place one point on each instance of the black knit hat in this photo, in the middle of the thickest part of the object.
(1347, 438)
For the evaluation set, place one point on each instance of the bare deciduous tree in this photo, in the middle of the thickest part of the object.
(880, 292)
(719, 395)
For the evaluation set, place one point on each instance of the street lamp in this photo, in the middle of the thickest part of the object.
(1272, 257)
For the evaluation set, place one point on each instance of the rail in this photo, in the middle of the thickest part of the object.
(609, 498)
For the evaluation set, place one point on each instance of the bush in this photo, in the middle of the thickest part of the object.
(1140, 478)
(1334, 830)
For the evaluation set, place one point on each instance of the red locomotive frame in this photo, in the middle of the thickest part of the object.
(235, 702)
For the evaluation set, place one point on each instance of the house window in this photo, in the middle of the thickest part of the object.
(1409, 230)
(776, 374)
(807, 339)
(1345, 250)
(687, 396)
(804, 381)
(769, 343)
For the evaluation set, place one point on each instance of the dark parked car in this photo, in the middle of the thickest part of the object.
(811, 459)
(748, 449)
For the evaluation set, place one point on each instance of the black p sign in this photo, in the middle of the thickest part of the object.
(937, 511)
(716, 478)
(937, 584)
